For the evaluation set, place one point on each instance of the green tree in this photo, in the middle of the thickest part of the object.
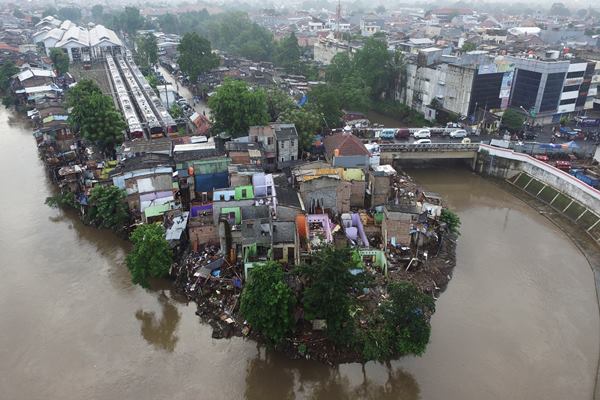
(408, 311)
(176, 111)
(235, 107)
(267, 302)
(560, 10)
(152, 81)
(60, 60)
(168, 23)
(97, 12)
(146, 51)
(7, 70)
(328, 287)
(108, 208)
(287, 54)
(95, 116)
(151, 256)
(326, 100)
(513, 119)
(195, 56)
(129, 20)
(468, 46)
(102, 125)
(374, 64)
(341, 66)
(62, 200)
(307, 122)
(78, 95)
(70, 13)
(278, 102)
(451, 219)
(49, 11)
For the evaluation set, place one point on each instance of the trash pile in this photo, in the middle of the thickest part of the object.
(208, 279)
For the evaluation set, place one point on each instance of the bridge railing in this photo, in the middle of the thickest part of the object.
(430, 147)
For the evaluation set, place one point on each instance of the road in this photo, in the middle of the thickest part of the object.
(586, 146)
(200, 107)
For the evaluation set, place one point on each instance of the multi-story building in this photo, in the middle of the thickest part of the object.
(327, 47)
(545, 89)
(475, 81)
(279, 142)
(548, 89)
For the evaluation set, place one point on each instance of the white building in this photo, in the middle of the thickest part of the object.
(79, 43)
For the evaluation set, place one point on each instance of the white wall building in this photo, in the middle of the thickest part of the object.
(79, 43)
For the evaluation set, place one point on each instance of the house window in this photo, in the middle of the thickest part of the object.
(244, 193)
(249, 225)
(283, 145)
(270, 141)
(282, 160)
(277, 253)
(222, 197)
(292, 143)
(292, 158)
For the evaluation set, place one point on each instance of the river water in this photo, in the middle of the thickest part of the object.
(519, 319)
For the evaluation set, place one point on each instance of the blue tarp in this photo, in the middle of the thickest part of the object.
(209, 182)
(303, 100)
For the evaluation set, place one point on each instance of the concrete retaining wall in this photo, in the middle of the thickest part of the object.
(562, 191)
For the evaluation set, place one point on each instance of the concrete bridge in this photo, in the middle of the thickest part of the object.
(430, 151)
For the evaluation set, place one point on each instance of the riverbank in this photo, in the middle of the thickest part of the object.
(218, 299)
(585, 244)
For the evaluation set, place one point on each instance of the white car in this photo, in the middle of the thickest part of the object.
(422, 134)
(458, 134)
(422, 141)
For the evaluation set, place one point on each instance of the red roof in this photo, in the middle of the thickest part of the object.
(7, 47)
(346, 143)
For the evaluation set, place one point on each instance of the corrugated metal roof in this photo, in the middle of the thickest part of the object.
(178, 227)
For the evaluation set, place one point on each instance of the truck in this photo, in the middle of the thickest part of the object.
(585, 177)
(587, 121)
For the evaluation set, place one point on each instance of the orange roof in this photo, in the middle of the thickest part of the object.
(7, 47)
(346, 143)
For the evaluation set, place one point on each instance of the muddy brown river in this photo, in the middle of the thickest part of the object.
(519, 319)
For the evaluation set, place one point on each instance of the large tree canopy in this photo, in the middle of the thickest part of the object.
(60, 60)
(235, 107)
(513, 120)
(287, 54)
(146, 50)
(108, 208)
(329, 281)
(95, 116)
(151, 256)
(7, 70)
(195, 56)
(308, 123)
(267, 302)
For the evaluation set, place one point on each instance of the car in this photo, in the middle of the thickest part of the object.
(529, 135)
(422, 141)
(402, 133)
(542, 157)
(387, 134)
(422, 134)
(458, 134)
(563, 165)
